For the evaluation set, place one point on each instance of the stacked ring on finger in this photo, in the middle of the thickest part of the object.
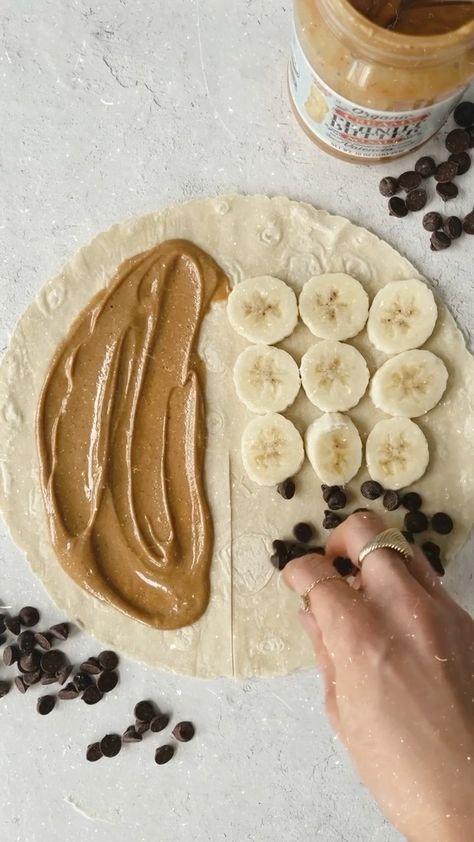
(389, 539)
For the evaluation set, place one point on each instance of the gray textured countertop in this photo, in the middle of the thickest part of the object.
(119, 108)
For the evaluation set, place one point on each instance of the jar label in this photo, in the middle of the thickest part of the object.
(352, 129)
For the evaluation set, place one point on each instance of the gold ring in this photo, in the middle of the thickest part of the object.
(305, 596)
(389, 539)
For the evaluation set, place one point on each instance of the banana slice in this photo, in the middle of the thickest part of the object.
(396, 453)
(272, 449)
(402, 316)
(334, 375)
(409, 384)
(334, 448)
(334, 306)
(266, 378)
(263, 309)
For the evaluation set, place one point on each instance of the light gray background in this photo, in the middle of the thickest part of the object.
(119, 108)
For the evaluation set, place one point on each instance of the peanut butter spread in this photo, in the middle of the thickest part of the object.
(417, 17)
(121, 437)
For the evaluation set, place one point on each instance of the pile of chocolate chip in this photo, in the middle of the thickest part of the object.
(443, 230)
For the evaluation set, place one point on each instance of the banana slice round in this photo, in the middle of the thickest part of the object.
(402, 316)
(396, 453)
(409, 384)
(334, 306)
(272, 449)
(263, 309)
(334, 375)
(334, 448)
(266, 378)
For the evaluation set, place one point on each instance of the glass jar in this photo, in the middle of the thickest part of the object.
(365, 93)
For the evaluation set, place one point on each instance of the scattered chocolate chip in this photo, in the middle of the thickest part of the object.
(69, 692)
(141, 727)
(110, 745)
(26, 641)
(439, 241)
(82, 680)
(388, 186)
(471, 135)
(44, 640)
(416, 199)
(303, 532)
(416, 522)
(343, 565)
(432, 221)
(60, 631)
(464, 114)
(91, 666)
(432, 553)
(409, 537)
(468, 223)
(425, 166)
(452, 227)
(159, 723)
(131, 735)
(30, 662)
(163, 754)
(52, 661)
(462, 160)
(29, 616)
(447, 191)
(31, 678)
(286, 489)
(11, 655)
(397, 207)
(4, 688)
(63, 674)
(91, 695)
(184, 731)
(458, 140)
(409, 180)
(107, 681)
(280, 557)
(331, 520)
(13, 625)
(371, 490)
(411, 501)
(3, 639)
(20, 684)
(47, 678)
(327, 490)
(337, 500)
(296, 551)
(446, 171)
(144, 711)
(315, 550)
(108, 660)
(45, 704)
(391, 500)
(442, 523)
(93, 752)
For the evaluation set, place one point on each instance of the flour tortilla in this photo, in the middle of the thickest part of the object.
(250, 627)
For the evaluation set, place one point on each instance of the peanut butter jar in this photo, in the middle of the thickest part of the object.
(370, 81)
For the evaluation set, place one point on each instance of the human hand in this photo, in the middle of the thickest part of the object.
(397, 657)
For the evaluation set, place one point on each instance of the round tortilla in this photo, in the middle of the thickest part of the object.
(250, 626)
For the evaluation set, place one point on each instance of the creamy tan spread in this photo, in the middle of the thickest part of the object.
(417, 17)
(121, 437)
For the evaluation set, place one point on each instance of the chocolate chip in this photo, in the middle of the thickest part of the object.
(468, 223)
(93, 752)
(471, 135)
(30, 662)
(458, 140)
(397, 207)
(53, 661)
(110, 745)
(131, 735)
(82, 680)
(442, 523)
(337, 500)
(432, 221)
(343, 566)
(45, 704)
(371, 490)
(416, 522)
(409, 180)
(447, 191)
(159, 723)
(107, 681)
(286, 489)
(163, 754)
(60, 631)
(331, 520)
(425, 166)
(280, 557)
(141, 727)
(144, 711)
(296, 550)
(2, 623)
(63, 674)
(20, 684)
(409, 537)
(416, 199)
(43, 639)
(13, 625)
(91, 666)
(388, 186)
(315, 550)
(411, 501)
(4, 688)
(31, 678)
(328, 490)
(47, 678)
(462, 160)
(11, 654)
(184, 731)
(439, 241)
(108, 660)
(29, 616)
(3, 639)
(391, 500)
(464, 114)
(91, 695)
(452, 227)
(431, 551)
(446, 171)
(303, 532)
(26, 641)
(69, 692)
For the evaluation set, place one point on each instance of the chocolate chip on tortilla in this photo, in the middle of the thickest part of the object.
(468, 223)
(416, 199)
(425, 166)
(29, 616)
(4, 688)
(13, 625)
(411, 501)
(452, 227)
(108, 660)
(371, 490)
(91, 695)
(11, 654)
(462, 160)
(60, 631)
(458, 140)
(184, 731)
(26, 641)
(447, 191)
(159, 723)
(20, 684)
(91, 666)
(144, 711)
(442, 523)
(416, 522)
(388, 186)
(44, 640)
(464, 114)
(163, 754)
(397, 207)
(343, 566)
(110, 745)
(391, 500)
(53, 661)
(286, 489)
(69, 692)
(93, 752)
(331, 520)
(82, 680)
(432, 553)
(63, 674)
(45, 704)
(432, 221)
(337, 499)
(303, 532)
(107, 681)
(409, 180)
(446, 171)
(131, 735)
(439, 241)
